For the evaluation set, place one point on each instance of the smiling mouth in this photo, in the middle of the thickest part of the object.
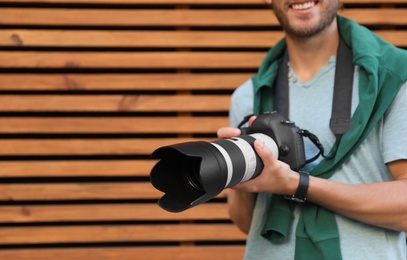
(304, 5)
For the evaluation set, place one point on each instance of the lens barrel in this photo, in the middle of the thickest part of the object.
(194, 172)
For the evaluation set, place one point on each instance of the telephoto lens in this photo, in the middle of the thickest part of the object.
(192, 173)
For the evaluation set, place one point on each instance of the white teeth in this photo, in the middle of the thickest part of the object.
(303, 6)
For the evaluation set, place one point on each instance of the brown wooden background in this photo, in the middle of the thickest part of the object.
(88, 89)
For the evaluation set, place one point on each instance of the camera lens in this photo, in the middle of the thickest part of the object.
(194, 172)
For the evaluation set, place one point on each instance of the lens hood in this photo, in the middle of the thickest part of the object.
(188, 173)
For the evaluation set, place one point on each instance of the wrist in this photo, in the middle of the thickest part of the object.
(294, 182)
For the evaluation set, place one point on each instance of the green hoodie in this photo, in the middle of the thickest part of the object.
(382, 71)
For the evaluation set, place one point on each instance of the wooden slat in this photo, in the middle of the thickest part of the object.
(109, 125)
(156, 81)
(88, 168)
(120, 233)
(78, 191)
(120, 146)
(114, 17)
(191, 2)
(127, 253)
(109, 212)
(149, 2)
(140, 60)
(151, 39)
(82, 191)
(157, 39)
(397, 38)
(178, 17)
(114, 103)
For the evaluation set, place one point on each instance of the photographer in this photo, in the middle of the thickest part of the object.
(354, 205)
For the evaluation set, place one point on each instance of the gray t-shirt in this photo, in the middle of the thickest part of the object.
(310, 109)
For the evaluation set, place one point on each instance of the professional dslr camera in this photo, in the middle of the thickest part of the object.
(192, 173)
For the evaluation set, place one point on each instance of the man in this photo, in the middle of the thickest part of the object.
(356, 203)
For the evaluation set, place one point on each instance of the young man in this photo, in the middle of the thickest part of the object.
(356, 203)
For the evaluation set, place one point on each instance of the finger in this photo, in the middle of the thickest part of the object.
(251, 119)
(247, 186)
(226, 132)
(264, 153)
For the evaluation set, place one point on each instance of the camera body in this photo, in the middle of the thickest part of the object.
(285, 133)
(192, 173)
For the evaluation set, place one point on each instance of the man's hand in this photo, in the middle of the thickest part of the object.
(276, 177)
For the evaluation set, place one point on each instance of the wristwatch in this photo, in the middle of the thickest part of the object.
(301, 193)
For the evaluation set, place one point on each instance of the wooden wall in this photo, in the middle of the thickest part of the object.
(88, 89)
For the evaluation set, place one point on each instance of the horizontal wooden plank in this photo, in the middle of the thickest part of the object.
(157, 39)
(150, 39)
(120, 233)
(78, 191)
(114, 103)
(111, 125)
(191, 2)
(136, 17)
(178, 17)
(136, 60)
(156, 81)
(129, 253)
(87, 168)
(81, 191)
(397, 38)
(87, 147)
(109, 212)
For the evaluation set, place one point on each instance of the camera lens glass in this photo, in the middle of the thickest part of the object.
(192, 177)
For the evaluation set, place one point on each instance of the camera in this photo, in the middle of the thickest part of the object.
(192, 173)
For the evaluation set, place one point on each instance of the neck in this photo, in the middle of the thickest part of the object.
(308, 56)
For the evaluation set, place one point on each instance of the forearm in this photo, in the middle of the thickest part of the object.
(381, 204)
(241, 205)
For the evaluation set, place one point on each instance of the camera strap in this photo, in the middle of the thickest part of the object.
(342, 97)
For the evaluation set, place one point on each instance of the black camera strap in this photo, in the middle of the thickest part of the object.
(342, 97)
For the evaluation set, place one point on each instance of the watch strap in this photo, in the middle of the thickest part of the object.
(302, 190)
